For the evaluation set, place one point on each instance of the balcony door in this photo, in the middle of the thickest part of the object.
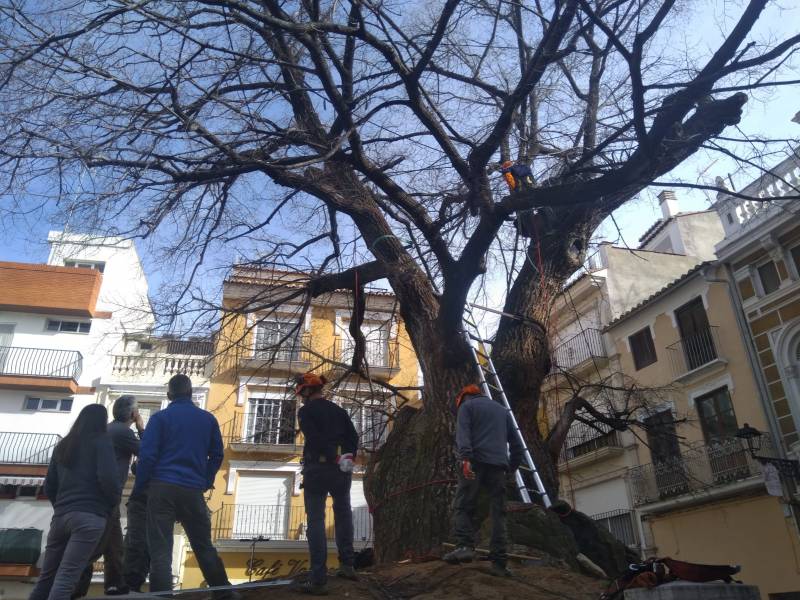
(698, 345)
(278, 338)
(376, 335)
(662, 438)
(726, 455)
(262, 506)
(6, 339)
(270, 421)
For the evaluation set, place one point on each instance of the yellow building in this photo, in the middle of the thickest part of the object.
(266, 336)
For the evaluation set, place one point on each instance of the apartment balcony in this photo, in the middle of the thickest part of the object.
(583, 350)
(586, 445)
(27, 448)
(267, 432)
(279, 522)
(136, 367)
(41, 369)
(286, 355)
(700, 470)
(696, 354)
(382, 356)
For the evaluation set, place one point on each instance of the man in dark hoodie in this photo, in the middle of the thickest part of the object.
(180, 455)
(484, 435)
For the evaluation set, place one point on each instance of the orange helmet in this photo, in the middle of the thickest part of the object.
(467, 390)
(508, 163)
(308, 380)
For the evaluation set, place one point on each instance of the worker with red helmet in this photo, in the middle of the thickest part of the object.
(485, 433)
(329, 452)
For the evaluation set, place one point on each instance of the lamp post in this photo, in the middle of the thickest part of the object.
(753, 437)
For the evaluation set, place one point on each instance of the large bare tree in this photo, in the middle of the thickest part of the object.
(381, 126)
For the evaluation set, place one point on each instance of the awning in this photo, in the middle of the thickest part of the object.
(20, 480)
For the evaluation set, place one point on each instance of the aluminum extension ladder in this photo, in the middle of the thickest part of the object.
(489, 382)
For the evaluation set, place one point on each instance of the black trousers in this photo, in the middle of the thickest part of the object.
(319, 480)
(493, 479)
(166, 505)
(136, 563)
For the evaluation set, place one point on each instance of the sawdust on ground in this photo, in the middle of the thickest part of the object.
(437, 580)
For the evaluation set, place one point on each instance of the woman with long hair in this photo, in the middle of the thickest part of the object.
(83, 486)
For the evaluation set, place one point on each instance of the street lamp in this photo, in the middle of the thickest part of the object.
(752, 437)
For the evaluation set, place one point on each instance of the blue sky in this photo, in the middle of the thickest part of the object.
(768, 115)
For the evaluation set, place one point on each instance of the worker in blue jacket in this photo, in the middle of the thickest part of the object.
(180, 455)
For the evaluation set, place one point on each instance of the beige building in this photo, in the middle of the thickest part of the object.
(618, 279)
(712, 345)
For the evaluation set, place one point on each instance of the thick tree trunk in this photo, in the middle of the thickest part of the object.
(521, 350)
(411, 480)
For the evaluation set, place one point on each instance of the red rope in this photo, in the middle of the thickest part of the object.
(413, 488)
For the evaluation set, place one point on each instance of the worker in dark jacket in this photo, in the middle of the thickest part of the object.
(180, 455)
(484, 435)
(83, 486)
(126, 445)
(329, 452)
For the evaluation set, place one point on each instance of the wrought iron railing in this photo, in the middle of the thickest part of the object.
(621, 525)
(694, 351)
(27, 448)
(273, 348)
(247, 522)
(151, 365)
(40, 362)
(583, 439)
(697, 469)
(377, 353)
(579, 348)
(260, 429)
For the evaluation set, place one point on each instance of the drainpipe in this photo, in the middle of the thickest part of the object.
(752, 356)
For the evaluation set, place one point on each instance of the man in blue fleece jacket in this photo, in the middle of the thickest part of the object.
(180, 455)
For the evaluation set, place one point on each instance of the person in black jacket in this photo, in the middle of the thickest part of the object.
(110, 547)
(83, 485)
(330, 447)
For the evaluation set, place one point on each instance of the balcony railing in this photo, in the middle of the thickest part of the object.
(380, 354)
(152, 365)
(579, 348)
(265, 428)
(582, 440)
(27, 448)
(697, 469)
(273, 348)
(40, 362)
(279, 522)
(621, 525)
(694, 351)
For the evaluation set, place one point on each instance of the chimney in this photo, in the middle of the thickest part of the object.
(668, 203)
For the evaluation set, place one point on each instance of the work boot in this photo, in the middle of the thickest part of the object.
(500, 570)
(459, 555)
(347, 572)
(314, 589)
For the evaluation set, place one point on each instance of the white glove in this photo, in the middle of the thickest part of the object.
(346, 463)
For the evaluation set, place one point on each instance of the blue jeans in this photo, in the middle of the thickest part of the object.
(71, 541)
(318, 481)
